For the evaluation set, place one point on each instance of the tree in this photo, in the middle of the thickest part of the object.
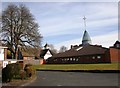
(63, 49)
(0, 25)
(19, 28)
(51, 46)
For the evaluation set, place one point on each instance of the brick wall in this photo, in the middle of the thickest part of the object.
(33, 62)
(115, 55)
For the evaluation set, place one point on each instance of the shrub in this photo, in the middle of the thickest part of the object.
(4, 75)
(10, 71)
(7, 73)
(16, 69)
(22, 74)
(29, 71)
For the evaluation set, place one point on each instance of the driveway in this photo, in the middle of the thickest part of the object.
(54, 78)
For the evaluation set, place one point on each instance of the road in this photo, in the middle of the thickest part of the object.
(50, 78)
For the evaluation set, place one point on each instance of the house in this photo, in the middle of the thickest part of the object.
(30, 55)
(3, 57)
(114, 52)
(26, 55)
(45, 54)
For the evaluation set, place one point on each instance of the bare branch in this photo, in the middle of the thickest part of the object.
(19, 27)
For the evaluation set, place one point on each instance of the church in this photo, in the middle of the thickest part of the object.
(85, 53)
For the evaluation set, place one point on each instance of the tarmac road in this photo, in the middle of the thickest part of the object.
(55, 78)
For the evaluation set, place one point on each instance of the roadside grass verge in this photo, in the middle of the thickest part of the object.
(109, 66)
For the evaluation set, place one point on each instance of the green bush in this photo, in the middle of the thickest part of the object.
(5, 75)
(10, 71)
(22, 74)
(29, 71)
(16, 69)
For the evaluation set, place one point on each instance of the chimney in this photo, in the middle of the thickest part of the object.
(71, 46)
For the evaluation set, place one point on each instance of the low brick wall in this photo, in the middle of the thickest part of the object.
(33, 62)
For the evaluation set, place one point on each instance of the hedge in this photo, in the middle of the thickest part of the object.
(10, 71)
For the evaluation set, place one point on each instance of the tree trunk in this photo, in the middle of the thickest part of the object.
(16, 53)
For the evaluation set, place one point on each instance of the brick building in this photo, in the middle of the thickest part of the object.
(115, 52)
(87, 53)
(83, 53)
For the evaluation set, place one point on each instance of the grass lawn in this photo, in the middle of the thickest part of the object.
(112, 66)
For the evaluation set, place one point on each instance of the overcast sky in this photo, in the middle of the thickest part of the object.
(61, 23)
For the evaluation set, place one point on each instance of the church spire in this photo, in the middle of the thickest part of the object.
(86, 38)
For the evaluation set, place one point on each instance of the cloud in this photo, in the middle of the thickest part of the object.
(65, 19)
(104, 40)
(101, 21)
(97, 16)
(60, 1)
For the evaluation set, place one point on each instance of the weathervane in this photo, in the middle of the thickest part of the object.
(84, 22)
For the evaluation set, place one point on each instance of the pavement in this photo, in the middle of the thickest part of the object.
(18, 83)
(54, 78)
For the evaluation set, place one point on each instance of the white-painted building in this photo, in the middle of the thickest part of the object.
(3, 57)
(45, 54)
(3, 53)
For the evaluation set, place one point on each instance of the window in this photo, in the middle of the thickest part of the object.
(117, 45)
(98, 57)
(71, 59)
(93, 57)
(55, 60)
(76, 59)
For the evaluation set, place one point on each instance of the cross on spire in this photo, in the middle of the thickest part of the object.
(84, 22)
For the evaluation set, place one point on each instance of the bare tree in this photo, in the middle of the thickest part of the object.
(63, 49)
(51, 46)
(19, 28)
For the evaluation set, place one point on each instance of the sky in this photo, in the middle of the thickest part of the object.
(62, 24)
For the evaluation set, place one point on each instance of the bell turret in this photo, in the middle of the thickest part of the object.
(86, 38)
